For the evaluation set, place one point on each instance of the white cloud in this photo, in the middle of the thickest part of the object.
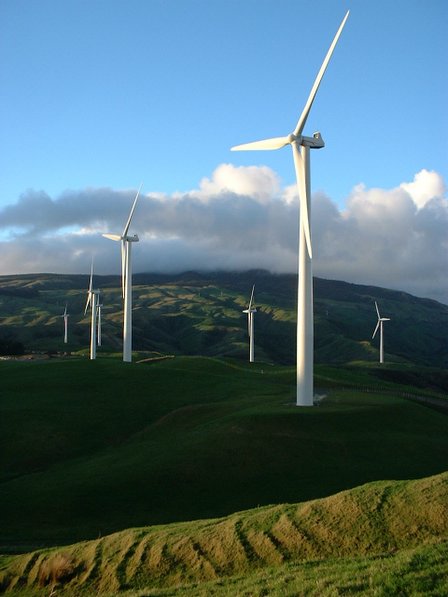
(426, 185)
(240, 218)
(259, 182)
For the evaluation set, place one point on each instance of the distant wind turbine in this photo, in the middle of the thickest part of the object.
(379, 324)
(301, 146)
(65, 315)
(126, 279)
(250, 325)
(92, 300)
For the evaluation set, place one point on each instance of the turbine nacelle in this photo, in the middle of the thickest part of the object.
(117, 237)
(253, 310)
(314, 142)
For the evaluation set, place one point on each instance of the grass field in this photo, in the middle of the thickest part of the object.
(384, 538)
(88, 448)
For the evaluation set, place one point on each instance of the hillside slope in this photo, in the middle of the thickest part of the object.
(201, 314)
(88, 448)
(376, 519)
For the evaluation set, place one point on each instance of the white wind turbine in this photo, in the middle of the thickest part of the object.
(65, 315)
(92, 300)
(126, 280)
(301, 146)
(250, 325)
(379, 324)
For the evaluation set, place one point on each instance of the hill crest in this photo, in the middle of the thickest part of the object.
(201, 313)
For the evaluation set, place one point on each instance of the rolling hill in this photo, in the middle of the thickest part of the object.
(200, 314)
(385, 538)
(92, 447)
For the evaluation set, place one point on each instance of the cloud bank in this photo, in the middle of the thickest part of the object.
(239, 218)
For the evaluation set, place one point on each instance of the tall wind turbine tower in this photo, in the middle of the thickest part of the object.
(250, 325)
(92, 300)
(65, 315)
(126, 279)
(301, 146)
(379, 324)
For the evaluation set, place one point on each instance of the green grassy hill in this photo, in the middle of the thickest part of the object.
(91, 447)
(385, 538)
(200, 314)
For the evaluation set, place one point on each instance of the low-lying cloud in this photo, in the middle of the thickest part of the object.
(239, 218)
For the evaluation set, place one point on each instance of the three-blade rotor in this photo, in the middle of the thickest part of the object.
(124, 239)
(380, 320)
(295, 139)
(250, 311)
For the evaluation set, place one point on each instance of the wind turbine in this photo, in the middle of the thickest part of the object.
(301, 146)
(126, 279)
(92, 300)
(379, 324)
(250, 325)
(65, 315)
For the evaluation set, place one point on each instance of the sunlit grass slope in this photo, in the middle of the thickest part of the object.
(88, 448)
(384, 538)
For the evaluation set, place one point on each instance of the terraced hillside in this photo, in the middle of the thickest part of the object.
(385, 538)
(201, 314)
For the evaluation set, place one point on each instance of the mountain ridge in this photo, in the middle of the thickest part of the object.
(201, 313)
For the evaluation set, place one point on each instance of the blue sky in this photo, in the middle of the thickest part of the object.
(108, 93)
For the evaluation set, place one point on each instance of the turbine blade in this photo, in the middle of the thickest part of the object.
(112, 236)
(128, 223)
(274, 143)
(91, 277)
(301, 187)
(376, 329)
(251, 297)
(249, 319)
(89, 296)
(306, 110)
(377, 310)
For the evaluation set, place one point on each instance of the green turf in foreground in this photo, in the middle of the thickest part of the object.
(89, 448)
(418, 572)
(384, 538)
